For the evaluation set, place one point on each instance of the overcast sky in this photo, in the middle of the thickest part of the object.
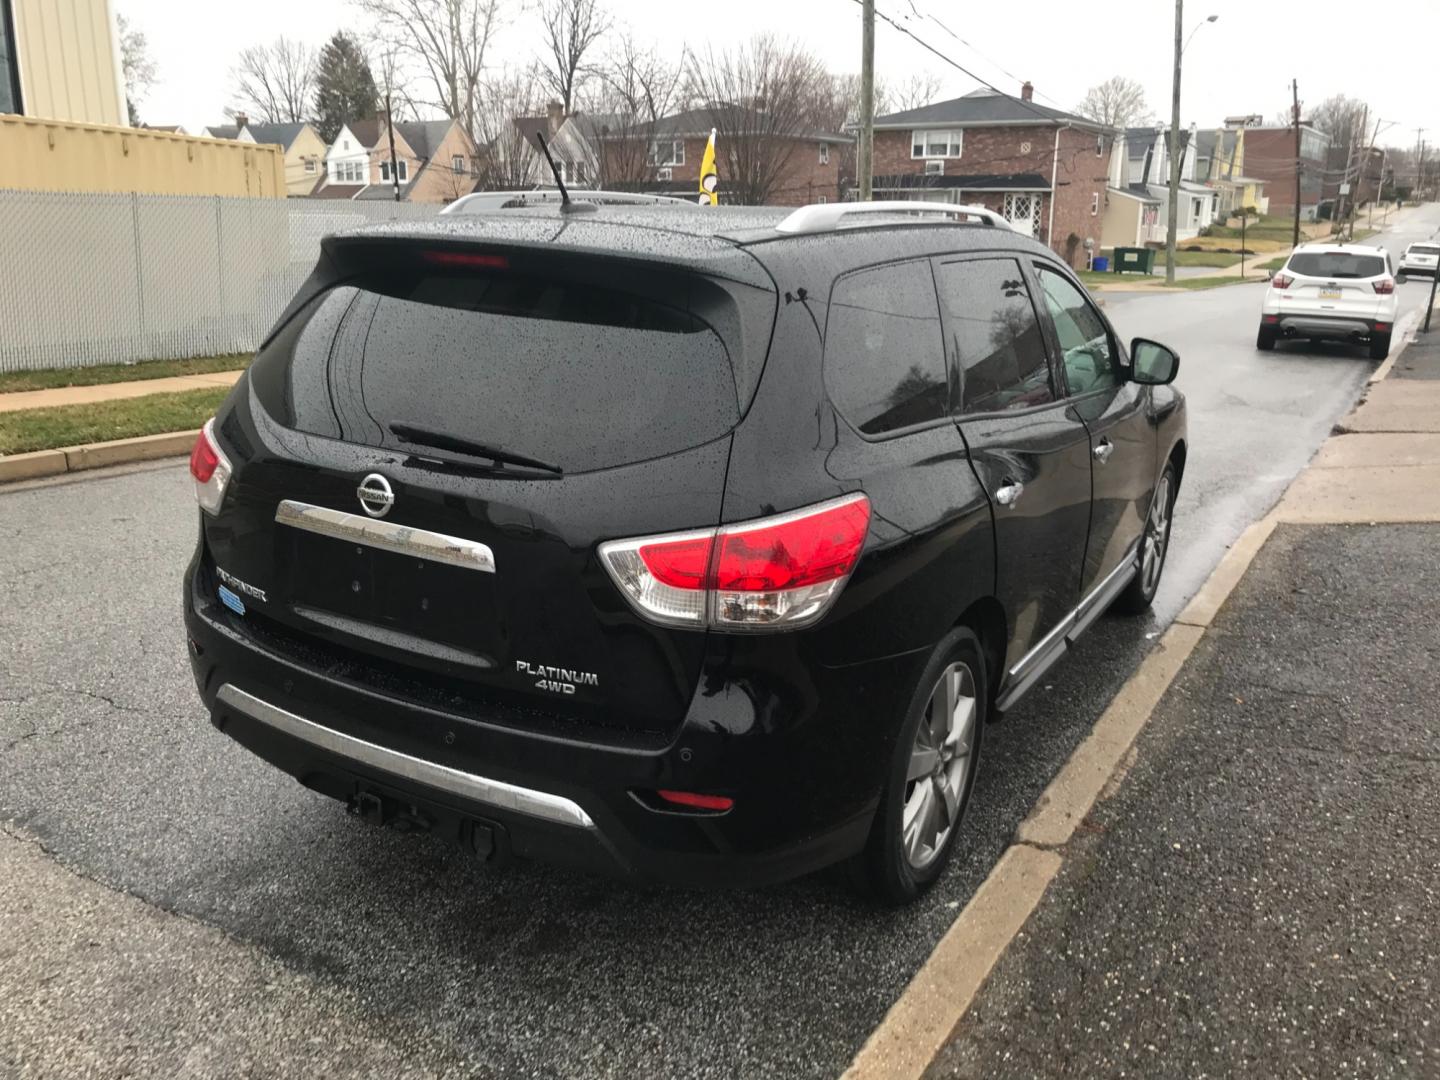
(1242, 63)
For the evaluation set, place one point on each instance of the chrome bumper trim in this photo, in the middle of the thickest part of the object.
(386, 535)
(496, 793)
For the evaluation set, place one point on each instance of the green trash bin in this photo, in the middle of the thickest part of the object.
(1137, 259)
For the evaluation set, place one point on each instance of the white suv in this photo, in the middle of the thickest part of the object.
(1336, 292)
(1420, 258)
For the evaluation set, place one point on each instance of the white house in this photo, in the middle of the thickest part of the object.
(1138, 191)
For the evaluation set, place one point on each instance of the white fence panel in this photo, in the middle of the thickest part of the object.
(102, 279)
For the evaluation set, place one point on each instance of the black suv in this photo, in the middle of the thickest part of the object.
(697, 545)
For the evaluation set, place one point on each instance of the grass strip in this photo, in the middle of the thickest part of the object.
(71, 425)
(52, 378)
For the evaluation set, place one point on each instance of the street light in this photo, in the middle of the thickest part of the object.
(1174, 217)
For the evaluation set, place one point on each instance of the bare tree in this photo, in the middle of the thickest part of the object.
(1340, 117)
(637, 88)
(273, 82)
(136, 65)
(1117, 102)
(758, 97)
(571, 29)
(446, 42)
(921, 88)
(505, 155)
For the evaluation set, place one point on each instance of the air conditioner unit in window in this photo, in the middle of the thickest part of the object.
(662, 174)
(934, 168)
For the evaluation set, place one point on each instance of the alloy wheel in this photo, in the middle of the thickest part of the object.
(1157, 535)
(939, 767)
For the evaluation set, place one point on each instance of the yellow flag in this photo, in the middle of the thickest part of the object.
(709, 182)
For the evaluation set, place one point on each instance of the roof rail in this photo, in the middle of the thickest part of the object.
(479, 201)
(827, 217)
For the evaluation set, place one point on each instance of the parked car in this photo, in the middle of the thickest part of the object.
(1331, 292)
(696, 546)
(1420, 258)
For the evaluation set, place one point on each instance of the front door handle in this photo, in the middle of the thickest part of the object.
(1008, 493)
(1103, 449)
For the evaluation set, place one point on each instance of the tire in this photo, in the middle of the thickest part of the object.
(898, 865)
(1154, 546)
(1379, 346)
(1265, 339)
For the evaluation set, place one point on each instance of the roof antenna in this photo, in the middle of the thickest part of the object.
(566, 205)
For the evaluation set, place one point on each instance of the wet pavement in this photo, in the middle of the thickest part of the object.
(1262, 896)
(106, 758)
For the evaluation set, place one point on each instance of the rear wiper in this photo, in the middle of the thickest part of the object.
(419, 436)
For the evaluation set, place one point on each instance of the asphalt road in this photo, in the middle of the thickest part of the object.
(106, 757)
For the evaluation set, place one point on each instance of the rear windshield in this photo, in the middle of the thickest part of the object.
(1425, 249)
(1336, 264)
(576, 374)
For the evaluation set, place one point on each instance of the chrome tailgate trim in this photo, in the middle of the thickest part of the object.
(386, 535)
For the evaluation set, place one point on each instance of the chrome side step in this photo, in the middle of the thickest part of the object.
(496, 793)
(1028, 670)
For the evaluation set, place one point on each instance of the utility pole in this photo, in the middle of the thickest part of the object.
(390, 129)
(1295, 112)
(864, 153)
(1173, 222)
(1419, 152)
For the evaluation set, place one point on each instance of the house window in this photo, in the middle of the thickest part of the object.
(345, 144)
(1094, 203)
(457, 164)
(309, 164)
(667, 152)
(934, 168)
(402, 167)
(1099, 145)
(1195, 207)
(822, 199)
(935, 144)
(824, 153)
(385, 172)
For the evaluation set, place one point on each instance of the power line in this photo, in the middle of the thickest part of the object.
(957, 65)
(988, 59)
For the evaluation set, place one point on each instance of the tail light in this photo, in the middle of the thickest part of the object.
(780, 572)
(1282, 281)
(210, 469)
(1385, 286)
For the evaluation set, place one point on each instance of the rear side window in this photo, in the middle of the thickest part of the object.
(1336, 264)
(992, 332)
(884, 366)
(581, 375)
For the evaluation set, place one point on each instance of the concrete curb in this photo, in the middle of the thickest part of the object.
(920, 1023)
(67, 459)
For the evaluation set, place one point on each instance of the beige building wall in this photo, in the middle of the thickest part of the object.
(47, 155)
(439, 182)
(1122, 222)
(69, 61)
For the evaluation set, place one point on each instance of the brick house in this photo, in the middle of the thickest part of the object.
(1044, 169)
(1270, 156)
(663, 156)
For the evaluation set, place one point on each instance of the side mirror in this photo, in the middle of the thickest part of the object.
(1152, 364)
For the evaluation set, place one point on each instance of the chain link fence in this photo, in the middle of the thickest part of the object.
(106, 279)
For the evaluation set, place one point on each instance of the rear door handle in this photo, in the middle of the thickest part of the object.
(1008, 493)
(1103, 449)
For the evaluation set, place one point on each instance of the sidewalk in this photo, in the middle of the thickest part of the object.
(88, 395)
(1259, 894)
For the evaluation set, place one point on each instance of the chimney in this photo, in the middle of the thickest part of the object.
(1027, 92)
(241, 120)
(554, 116)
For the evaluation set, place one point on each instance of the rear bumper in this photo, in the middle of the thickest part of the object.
(805, 784)
(1330, 327)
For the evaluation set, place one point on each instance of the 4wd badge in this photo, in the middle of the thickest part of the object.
(557, 680)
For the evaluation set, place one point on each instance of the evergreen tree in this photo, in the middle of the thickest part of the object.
(344, 85)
